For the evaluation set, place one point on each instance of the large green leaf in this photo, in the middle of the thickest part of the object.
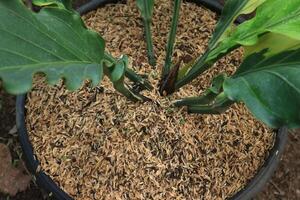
(53, 41)
(270, 87)
(272, 16)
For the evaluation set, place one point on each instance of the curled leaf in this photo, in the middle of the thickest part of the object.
(272, 16)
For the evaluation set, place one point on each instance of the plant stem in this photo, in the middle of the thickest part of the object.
(150, 51)
(207, 98)
(146, 9)
(109, 57)
(130, 74)
(112, 65)
(123, 89)
(204, 63)
(172, 36)
(220, 105)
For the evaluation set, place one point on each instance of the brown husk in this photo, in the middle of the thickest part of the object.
(96, 144)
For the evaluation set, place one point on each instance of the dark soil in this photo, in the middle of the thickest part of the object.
(285, 184)
(7, 123)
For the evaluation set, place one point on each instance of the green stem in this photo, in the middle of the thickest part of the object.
(120, 87)
(207, 98)
(146, 9)
(221, 104)
(119, 84)
(130, 74)
(150, 51)
(113, 68)
(172, 36)
(109, 57)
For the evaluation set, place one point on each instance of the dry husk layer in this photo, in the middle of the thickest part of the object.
(96, 144)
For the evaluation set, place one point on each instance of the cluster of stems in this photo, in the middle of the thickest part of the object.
(173, 76)
(171, 81)
(111, 65)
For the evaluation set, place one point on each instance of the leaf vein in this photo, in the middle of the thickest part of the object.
(75, 32)
(39, 30)
(18, 54)
(34, 44)
(283, 79)
(16, 67)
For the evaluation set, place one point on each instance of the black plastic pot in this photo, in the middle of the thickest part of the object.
(45, 182)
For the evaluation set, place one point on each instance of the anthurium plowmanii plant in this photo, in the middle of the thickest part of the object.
(54, 41)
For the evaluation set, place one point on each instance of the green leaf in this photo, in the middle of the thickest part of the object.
(270, 87)
(272, 16)
(231, 11)
(116, 71)
(54, 42)
(275, 43)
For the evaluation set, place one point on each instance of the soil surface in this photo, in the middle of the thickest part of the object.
(285, 183)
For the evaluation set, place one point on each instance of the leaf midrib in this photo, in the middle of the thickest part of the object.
(15, 67)
(283, 79)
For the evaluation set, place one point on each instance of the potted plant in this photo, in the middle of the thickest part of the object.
(56, 43)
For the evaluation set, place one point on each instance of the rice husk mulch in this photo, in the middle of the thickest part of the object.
(95, 144)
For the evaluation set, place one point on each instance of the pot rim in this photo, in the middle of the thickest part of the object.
(254, 186)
